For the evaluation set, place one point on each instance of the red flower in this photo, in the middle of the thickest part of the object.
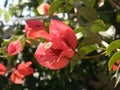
(14, 47)
(115, 66)
(118, 62)
(64, 32)
(35, 29)
(56, 53)
(43, 9)
(52, 58)
(16, 77)
(23, 70)
(2, 69)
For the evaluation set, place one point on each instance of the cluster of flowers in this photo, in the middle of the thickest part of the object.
(54, 54)
(59, 46)
(18, 74)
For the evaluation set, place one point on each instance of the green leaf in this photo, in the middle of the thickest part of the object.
(88, 13)
(118, 18)
(1, 11)
(54, 6)
(113, 59)
(93, 38)
(7, 16)
(87, 49)
(98, 25)
(114, 45)
(74, 61)
(89, 2)
(71, 2)
(82, 52)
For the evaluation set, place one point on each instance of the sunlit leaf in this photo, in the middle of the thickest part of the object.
(1, 11)
(113, 59)
(114, 45)
(98, 25)
(87, 49)
(7, 16)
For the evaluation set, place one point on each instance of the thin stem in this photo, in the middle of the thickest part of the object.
(94, 56)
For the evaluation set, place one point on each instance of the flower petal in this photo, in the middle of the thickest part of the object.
(52, 58)
(2, 69)
(63, 31)
(14, 47)
(25, 69)
(16, 77)
(43, 9)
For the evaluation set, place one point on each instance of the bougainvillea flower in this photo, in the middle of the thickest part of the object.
(25, 69)
(22, 70)
(2, 69)
(52, 58)
(56, 53)
(43, 9)
(35, 29)
(14, 47)
(16, 77)
(64, 32)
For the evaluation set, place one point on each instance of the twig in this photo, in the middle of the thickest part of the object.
(113, 4)
(94, 56)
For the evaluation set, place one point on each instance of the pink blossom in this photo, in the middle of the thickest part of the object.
(14, 47)
(21, 72)
(43, 9)
(35, 29)
(52, 58)
(56, 53)
(63, 31)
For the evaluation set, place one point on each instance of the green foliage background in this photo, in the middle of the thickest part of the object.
(90, 68)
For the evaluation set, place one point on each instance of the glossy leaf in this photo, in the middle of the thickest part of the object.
(113, 59)
(98, 25)
(87, 49)
(114, 45)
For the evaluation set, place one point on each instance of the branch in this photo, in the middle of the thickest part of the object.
(113, 4)
(94, 56)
